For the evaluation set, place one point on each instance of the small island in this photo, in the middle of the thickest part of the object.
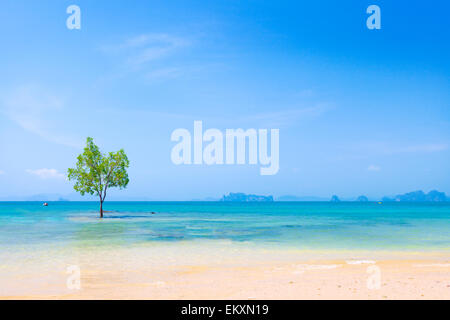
(419, 196)
(242, 197)
(335, 198)
(362, 199)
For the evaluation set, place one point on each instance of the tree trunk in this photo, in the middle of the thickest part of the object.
(101, 208)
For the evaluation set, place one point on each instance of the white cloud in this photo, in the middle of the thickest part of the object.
(144, 48)
(418, 148)
(373, 167)
(2, 172)
(36, 111)
(150, 55)
(46, 173)
(367, 150)
(284, 118)
(425, 148)
(163, 73)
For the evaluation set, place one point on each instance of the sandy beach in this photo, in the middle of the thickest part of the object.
(221, 270)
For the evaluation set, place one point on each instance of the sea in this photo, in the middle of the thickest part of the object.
(396, 226)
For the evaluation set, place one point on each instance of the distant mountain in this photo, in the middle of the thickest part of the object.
(362, 199)
(415, 196)
(295, 198)
(37, 197)
(419, 196)
(49, 197)
(335, 198)
(242, 197)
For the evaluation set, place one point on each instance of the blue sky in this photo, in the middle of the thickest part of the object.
(359, 111)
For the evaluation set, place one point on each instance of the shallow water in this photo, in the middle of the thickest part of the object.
(298, 225)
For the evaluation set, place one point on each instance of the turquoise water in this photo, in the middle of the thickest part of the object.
(302, 225)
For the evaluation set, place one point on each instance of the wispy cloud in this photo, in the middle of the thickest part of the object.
(388, 149)
(163, 74)
(155, 49)
(276, 119)
(373, 167)
(284, 118)
(31, 107)
(46, 173)
(145, 48)
(151, 56)
(370, 149)
(2, 172)
(422, 148)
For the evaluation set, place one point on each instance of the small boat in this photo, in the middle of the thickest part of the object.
(45, 204)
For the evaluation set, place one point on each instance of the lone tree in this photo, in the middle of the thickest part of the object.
(96, 172)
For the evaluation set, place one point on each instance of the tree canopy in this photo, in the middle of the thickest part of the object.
(95, 172)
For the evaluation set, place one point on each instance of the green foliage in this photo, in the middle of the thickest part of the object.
(95, 172)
